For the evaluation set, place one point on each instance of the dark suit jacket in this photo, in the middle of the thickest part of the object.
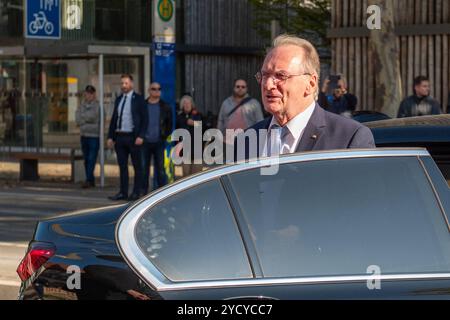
(325, 131)
(138, 113)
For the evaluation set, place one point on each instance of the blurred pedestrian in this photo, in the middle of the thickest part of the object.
(240, 110)
(188, 118)
(340, 101)
(420, 103)
(87, 117)
(159, 128)
(126, 134)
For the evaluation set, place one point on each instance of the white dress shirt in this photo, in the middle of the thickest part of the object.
(127, 117)
(296, 126)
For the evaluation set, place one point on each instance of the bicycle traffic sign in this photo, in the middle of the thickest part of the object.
(43, 19)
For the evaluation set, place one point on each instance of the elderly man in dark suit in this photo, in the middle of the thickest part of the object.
(289, 87)
(126, 134)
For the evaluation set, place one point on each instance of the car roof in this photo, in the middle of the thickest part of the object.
(414, 131)
(441, 120)
(238, 166)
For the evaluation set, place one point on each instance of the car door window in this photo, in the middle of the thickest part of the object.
(192, 235)
(338, 217)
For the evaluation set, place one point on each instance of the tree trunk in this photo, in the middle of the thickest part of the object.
(385, 59)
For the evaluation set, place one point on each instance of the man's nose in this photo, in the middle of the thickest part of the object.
(269, 83)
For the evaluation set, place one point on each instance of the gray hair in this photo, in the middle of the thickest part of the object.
(186, 98)
(311, 63)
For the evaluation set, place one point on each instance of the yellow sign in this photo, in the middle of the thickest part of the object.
(165, 10)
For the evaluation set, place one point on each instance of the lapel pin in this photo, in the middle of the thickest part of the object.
(314, 136)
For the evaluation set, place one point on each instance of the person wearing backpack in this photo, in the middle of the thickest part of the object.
(239, 111)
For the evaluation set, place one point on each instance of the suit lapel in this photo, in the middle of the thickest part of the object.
(265, 125)
(313, 130)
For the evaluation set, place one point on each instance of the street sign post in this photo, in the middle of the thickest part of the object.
(42, 19)
(164, 63)
(164, 21)
(164, 59)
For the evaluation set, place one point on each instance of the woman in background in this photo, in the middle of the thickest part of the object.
(187, 119)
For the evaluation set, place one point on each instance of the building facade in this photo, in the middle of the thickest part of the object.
(422, 30)
(42, 81)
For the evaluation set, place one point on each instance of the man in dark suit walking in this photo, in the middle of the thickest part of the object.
(289, 87)
(126, 134)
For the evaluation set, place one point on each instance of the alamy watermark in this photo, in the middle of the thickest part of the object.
(374, 20)
(374, 280)
(236, 145)
(74, 280)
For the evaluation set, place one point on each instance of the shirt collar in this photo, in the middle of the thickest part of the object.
(129, 94)
(299, 122)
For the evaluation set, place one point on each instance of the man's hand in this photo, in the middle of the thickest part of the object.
(110, 143)
(190, 122)
(139, 141)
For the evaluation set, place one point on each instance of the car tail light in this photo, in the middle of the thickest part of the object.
(38, 253)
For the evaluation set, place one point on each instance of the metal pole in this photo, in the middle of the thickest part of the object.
(102, 121)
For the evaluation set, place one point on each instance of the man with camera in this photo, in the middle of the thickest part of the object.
(335, 98)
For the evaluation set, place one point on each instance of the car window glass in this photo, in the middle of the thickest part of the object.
(193, 236)
(338, 217)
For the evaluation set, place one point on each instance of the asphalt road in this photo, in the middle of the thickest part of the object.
(21, 206)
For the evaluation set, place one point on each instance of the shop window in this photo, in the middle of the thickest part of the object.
(11, 16)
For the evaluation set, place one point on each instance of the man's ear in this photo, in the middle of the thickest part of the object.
(312, 84)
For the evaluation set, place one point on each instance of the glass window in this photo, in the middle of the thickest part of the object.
(11, 102)
(11, 18)
(193, 236)
(39, 98)
(119, 20)
(338, 217)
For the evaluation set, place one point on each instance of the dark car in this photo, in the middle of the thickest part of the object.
(368, 116)
(430, 132)
(327, 225)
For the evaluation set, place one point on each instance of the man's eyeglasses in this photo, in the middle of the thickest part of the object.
(263, 76)
(155, 89)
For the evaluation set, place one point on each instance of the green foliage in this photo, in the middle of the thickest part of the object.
(308, 19)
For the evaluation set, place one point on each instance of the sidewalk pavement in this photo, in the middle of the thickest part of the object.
(51, 172)
(23, 203)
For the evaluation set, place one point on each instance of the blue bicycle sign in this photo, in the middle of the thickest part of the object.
(43, 19)
(40, 22)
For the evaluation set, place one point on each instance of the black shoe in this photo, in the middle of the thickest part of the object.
(134, 197)
(119, 196)
(88, 184)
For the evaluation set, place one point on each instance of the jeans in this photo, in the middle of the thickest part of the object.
(90, 147)
(155, 150)
(125, 146)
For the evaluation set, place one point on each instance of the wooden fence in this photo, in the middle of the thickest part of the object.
(220, 45)
(423, 37)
